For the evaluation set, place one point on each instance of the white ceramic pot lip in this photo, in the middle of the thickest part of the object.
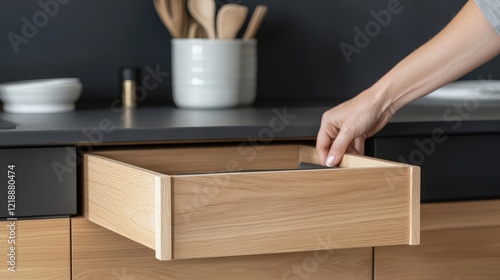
(212, 41)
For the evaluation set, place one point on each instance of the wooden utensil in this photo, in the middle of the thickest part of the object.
(163, 12)
(193, 29)
(203, 11)
(230, 20)
(255, 22)
(178, 12)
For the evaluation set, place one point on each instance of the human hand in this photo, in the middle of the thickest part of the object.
(345, 128)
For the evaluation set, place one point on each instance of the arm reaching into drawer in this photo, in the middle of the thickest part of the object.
(466, 43)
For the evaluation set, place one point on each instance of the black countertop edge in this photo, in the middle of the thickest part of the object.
(416, 129)
(97, 127)
(158, 135)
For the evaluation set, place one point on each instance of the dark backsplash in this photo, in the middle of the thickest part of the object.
(299, 44)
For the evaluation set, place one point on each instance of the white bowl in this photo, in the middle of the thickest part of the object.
(42, 82)
(40, 96)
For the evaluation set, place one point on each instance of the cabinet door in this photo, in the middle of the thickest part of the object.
(101, 254)
(42, 249)
(220, 201)
(459, 241)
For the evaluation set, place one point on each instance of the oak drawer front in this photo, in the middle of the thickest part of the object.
(35, 249)
(216, 210)
(99, 254)
(460, 240)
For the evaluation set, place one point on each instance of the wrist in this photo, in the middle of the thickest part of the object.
(381, 98)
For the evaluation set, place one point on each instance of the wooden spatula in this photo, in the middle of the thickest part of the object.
(230, 20)
(255, 22)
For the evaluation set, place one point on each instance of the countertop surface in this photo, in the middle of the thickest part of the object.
(155, 125)
(169, 124)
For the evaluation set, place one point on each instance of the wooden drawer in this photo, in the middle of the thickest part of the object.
(101, 254)
(196, 202)
(41, 249)
(460, 240)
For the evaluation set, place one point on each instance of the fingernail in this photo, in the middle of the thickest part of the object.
(330, 160)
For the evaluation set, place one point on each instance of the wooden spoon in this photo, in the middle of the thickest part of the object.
(203, 11)
(255, 22)
(193, 29)
(163, 12)
(230, 20)
(178, 12)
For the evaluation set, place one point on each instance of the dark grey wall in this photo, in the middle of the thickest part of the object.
(300, 57)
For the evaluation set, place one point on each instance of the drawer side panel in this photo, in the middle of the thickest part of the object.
(121, 198)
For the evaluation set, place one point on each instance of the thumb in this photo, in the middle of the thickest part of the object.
(338, 148)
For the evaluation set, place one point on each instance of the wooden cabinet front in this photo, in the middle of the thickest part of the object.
(41, 249)
(459, 241)
(101, 254)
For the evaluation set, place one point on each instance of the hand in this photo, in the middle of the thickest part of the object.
(346, 127)
(467, 42)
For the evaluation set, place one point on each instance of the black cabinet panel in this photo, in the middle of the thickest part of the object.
(453, 167)
(37, 182)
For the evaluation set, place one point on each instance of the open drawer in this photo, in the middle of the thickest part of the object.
(202, 202)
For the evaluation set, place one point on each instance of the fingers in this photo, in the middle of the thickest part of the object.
(338, 148)
(323, 143)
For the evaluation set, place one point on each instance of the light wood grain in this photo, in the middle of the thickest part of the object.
(245, 213)
(459, 241)
(42, 250)
(437, 216)
(163, 218)
(415, 205)
(208, 159)
(101, 254)
(275, 212)
(129, 200)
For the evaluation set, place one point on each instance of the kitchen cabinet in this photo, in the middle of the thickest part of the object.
(42, 249)
(460, 241)
(98, 253)
(454, 167)
(189, 202)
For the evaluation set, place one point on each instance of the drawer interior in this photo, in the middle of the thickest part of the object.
(219, 159)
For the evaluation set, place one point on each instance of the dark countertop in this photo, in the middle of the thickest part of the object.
(154, 125)
(169, 124)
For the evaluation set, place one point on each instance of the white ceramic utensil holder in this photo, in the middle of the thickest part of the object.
(213, 74)
(248, 89)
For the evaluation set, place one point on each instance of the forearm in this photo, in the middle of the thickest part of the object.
(466, 43)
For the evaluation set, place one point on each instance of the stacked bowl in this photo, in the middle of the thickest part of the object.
(40, 96)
